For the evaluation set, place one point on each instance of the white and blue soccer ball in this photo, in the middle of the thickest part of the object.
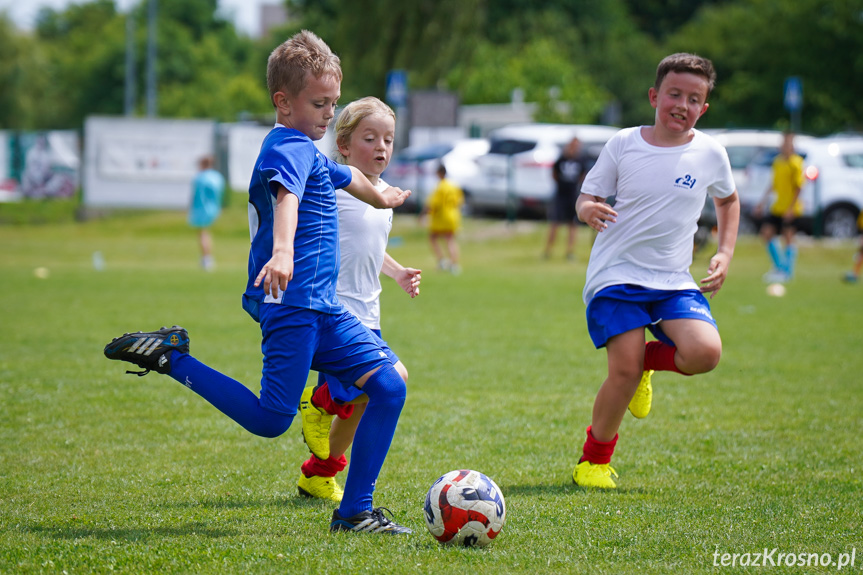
(464, 507)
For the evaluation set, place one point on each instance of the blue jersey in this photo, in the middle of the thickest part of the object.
(289, 158)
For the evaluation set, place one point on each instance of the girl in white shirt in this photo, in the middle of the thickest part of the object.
(365, 130)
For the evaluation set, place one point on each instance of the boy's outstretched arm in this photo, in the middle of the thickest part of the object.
(727, 220)
(277, 272)
(407, 278)
(362, 189)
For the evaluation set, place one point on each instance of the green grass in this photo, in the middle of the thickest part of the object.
(102, 471)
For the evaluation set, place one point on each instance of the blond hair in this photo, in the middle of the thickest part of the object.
(301, 54)
(354, 113)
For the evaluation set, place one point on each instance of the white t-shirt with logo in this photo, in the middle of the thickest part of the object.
(363, 235)
(660, 193)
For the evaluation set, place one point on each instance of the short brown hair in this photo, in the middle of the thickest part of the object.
(302, 53)
(352, 115)
(682, 63)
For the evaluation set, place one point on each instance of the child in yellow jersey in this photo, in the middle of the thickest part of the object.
(444, 209)
(784, 213)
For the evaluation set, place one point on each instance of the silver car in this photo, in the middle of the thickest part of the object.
(415, 167)
(515, 175)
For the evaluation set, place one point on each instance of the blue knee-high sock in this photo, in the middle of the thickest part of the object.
(775, 256)
(386, 391)
(228, 396)
(790, 260)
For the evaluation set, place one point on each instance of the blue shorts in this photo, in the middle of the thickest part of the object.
(343, 392)
(618, 309)
(296, 340)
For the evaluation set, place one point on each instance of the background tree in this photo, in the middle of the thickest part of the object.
(577, 59)
(659, 18)
(821, 41)
(84, 47)
(483, 49)
(203, 68)
(21, 58)
(424, 37)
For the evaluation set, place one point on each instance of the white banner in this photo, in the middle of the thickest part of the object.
(244, 144)
(143, 162)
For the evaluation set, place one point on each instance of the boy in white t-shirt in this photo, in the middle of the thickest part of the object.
(364, 137)
(638, 275)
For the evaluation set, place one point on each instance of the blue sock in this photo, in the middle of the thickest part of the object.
(386, 391)
(790, 260)
(775, 257)
(228, 396)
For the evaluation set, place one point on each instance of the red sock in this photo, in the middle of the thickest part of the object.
(322, 398)
(659, 356)
(598, 451)
(323, 468)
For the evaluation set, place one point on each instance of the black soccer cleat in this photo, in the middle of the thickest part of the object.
(373, 521)
(149, 350)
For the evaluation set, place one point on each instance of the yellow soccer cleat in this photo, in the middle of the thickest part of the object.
(643, 398)
(587, 474)
(320, 487)
(316, 425)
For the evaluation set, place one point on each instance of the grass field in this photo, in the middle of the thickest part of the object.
(106, 472)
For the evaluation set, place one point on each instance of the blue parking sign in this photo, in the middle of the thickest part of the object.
(397, 88)
(793, 94)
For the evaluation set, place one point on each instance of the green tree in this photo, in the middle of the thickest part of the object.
(20, 61)
(821, 41)
(563, 89)
(84, 47)
(659, 18)
(572, 57)
(481, 49)
(372, 37)
(203, 67)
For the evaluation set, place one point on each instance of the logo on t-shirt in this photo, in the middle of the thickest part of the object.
(686, 181)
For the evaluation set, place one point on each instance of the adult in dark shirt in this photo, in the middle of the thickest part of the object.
(568, 173)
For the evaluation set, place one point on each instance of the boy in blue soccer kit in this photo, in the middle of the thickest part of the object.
(293, 268)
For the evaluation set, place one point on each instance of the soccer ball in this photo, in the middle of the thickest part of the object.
(776, 290)
(465, 507)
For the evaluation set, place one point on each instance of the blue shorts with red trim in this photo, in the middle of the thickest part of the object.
(296, 340)
(618, 309)
(346, 392)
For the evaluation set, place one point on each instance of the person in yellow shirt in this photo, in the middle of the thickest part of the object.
(784, 213)
(444, 208)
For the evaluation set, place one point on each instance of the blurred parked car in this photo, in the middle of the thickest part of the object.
(833, 183)
(515, 174)
(415, 167)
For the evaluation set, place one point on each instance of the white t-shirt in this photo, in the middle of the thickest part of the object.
(660, 195)
(363, 234)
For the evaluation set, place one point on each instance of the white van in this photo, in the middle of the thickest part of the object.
(515, 175)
